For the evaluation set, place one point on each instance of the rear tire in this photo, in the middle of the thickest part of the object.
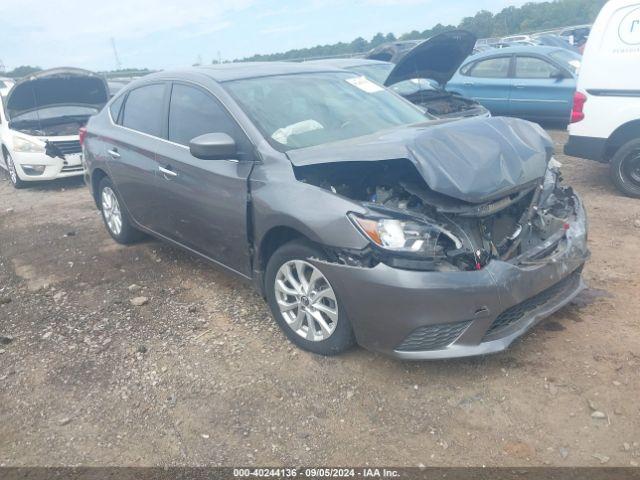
(115, 216)
(625, 168)
(315, 320)
(13, 173)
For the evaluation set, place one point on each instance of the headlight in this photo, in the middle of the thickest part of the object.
(407, 236)
(21, 144)
(550, 180)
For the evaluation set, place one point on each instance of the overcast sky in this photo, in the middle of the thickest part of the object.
(159, 34)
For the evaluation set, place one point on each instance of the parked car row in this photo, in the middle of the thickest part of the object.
(422, 73)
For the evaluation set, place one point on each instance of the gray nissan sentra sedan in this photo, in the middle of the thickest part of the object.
(358, 218)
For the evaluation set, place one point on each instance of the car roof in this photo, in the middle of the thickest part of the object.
(346, 62)
(242, 70)
(535, 49)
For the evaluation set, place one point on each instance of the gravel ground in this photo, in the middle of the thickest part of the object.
(197, 373)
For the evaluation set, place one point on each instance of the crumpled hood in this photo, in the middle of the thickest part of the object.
(474, 160)
(437, 58)
(56, 87)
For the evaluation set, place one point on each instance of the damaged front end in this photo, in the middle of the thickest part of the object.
(413, 227)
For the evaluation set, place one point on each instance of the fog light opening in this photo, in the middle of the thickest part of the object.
(33, 170)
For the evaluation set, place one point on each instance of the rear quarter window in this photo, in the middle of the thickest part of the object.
(115, 108)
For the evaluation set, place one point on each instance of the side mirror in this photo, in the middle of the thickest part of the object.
(213, 146)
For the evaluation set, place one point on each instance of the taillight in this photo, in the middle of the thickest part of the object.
(577, 114)
(82, 133)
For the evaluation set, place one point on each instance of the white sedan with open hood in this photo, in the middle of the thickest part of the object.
(39, 123)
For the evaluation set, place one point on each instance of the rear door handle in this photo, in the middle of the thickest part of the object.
(519, 85)
(167, 172)
(114, 153)
(468, 84)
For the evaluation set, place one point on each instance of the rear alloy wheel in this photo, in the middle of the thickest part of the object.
(625, 168)
(114, 215)
(304, 303)
(13, 174)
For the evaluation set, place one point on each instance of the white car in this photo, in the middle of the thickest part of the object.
(606, 107)
(40, 117)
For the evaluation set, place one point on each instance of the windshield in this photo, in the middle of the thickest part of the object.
(54, 112)
(378, 73)
(569, 59)
(297, 111)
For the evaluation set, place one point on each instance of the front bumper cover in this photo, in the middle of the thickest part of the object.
(386, 305)
(54, 167)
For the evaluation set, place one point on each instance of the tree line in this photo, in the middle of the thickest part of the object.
(511, 20)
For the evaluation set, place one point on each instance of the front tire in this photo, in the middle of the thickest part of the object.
(304, 303)
(114, 214)
(13, 173)
(625, 168)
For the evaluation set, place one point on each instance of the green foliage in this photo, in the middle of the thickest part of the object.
(22, 71)
(511, 20)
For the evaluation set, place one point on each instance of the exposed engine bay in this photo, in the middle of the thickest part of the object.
(441, 103)
(527, 225)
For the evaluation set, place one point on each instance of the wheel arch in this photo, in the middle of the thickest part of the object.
(623, 134)
(96, 177)
(5, 152)
(271, 241)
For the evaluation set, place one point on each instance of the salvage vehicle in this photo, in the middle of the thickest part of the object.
(421, 72)
(357, 217)
(536, 83)
(606, 108)
(39, 121)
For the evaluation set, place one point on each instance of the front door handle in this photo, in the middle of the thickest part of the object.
(114, 153)
(519, 85)
(468, 84)
(167, 172)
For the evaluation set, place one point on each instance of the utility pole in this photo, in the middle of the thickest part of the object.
(115, 54)
(2, 67)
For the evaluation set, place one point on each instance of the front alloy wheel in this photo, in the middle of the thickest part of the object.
(306, 300)
(304, 303)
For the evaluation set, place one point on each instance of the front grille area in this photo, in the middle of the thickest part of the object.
(69, 146)
(432, 337)
(517, 312)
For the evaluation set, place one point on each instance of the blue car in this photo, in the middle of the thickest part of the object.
(532, 82)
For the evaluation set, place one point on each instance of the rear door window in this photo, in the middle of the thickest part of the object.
(193, 112)
(143, 110)
(491, 68)
(532, 67)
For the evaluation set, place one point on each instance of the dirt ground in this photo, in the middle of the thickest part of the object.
(200, 375)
